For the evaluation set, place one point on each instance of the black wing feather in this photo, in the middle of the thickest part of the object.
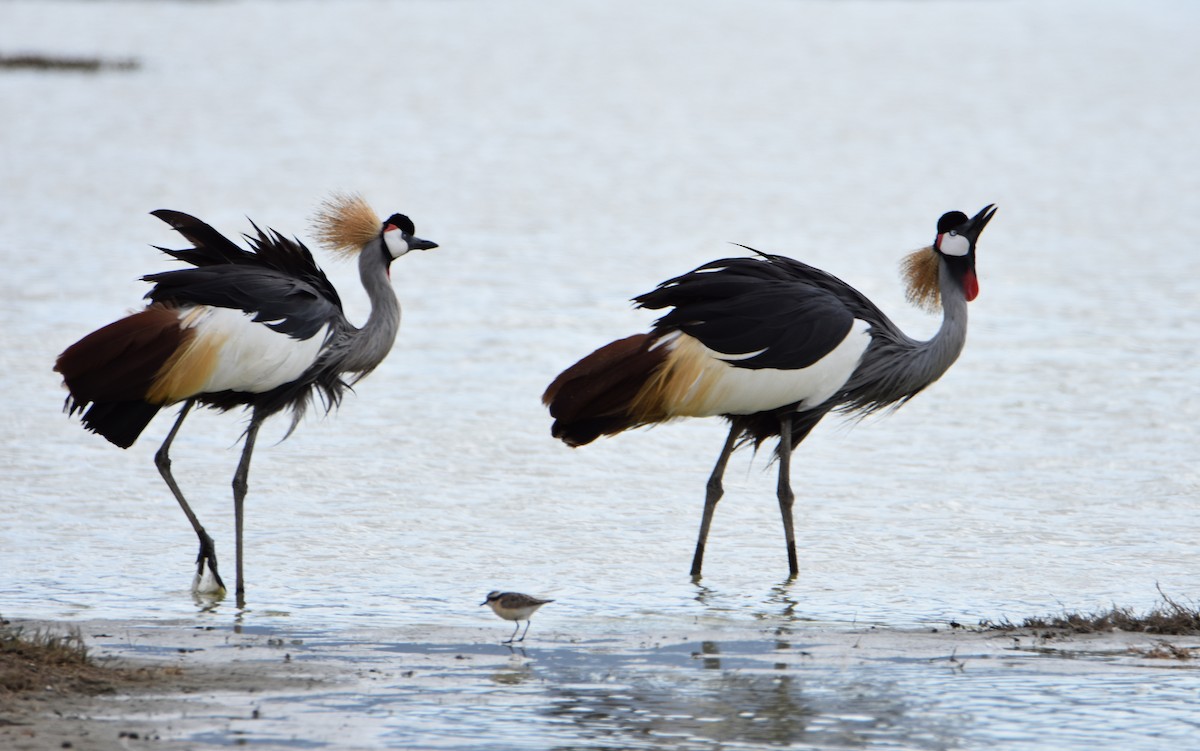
(289, 306)
(739, 306)
(855, 301)
(277, 281)
(210, 246)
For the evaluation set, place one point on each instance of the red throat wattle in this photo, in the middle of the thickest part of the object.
(970, 285)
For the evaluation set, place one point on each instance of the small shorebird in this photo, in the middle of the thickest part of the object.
(514, 606)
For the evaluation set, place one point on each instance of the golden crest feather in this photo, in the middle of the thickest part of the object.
(920, 270)
(344, 223)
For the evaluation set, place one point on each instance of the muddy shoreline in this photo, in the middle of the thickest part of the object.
(179, 684)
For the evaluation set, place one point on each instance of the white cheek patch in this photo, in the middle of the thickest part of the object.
(396, 244)
(954, 245)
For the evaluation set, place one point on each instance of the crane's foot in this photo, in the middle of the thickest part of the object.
(208, 579)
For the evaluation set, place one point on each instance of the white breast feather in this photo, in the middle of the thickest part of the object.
(253, 358)
(723, 389)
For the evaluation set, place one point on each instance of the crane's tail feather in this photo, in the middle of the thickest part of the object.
(596, 396)
(120, 422)
(113, 368)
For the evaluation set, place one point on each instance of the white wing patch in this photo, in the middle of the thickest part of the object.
(250, 356)
(703, 384)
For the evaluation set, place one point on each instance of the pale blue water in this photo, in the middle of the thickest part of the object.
(568, 156)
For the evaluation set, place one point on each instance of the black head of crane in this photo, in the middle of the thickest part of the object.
(772, 345)
(261, 328)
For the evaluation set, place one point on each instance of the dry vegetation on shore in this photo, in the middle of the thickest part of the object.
(46, 661)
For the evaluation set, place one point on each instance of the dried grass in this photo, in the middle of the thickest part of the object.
(42, 660)
(1171, 618)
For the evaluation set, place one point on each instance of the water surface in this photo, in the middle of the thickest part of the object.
(568, 156)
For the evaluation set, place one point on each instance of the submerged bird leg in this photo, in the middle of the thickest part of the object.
(240, 485)
(786, 497)
(162, 460)
(713, 494)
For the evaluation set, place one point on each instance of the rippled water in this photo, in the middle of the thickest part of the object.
(568, 156)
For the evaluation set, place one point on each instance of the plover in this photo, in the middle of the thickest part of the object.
(514, 606)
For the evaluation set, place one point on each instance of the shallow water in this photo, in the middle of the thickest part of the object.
(568, 156)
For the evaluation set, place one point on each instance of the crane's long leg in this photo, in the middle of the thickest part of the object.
(240, 485)
(713, 494)
(162, 460)
(784, 490)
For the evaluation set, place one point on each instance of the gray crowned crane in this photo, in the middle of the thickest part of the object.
(772, 345)
(261, 328)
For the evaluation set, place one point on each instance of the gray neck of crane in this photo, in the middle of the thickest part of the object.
(896, 366)
(374, 340)
(940, 352)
